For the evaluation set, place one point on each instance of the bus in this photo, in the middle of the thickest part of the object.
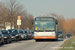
(45, 27)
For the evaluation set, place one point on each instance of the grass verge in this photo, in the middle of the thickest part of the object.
(68, 45)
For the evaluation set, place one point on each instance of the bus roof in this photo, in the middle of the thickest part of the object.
(46, 16)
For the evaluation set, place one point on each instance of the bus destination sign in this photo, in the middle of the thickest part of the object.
(44, 19)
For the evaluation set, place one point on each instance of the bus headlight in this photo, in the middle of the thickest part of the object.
(35, 34)
(53, 33)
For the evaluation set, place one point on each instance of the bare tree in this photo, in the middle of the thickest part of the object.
(14, 10)
(3, 11)
(10, 11)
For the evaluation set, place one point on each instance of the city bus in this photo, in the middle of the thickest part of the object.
(45, 27)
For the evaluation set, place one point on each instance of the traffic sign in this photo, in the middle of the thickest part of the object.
(18, 22)
(19, 17)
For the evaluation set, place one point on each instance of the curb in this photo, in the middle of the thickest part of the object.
(61, 43)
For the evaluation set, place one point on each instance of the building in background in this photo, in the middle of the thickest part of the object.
(2, 27)
(8, 25)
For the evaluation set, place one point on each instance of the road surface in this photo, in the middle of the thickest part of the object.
(32, 45)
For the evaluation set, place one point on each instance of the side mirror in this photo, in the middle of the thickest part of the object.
(56, 22)
(32, 21)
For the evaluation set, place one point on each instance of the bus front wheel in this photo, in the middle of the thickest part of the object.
(55, 39)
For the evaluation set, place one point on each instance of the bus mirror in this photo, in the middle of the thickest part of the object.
(56, 22)
(32, 21)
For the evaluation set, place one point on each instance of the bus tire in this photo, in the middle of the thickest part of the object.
(56, 39)
(36, 40)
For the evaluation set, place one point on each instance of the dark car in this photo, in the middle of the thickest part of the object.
(23, 35)
(15, 34)
(68, 35)
(1, 38)
(7, 36)
(29, 34)
(26, 32)
(60, 34)
(32, 33)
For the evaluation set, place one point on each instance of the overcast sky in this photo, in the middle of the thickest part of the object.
(41, 7)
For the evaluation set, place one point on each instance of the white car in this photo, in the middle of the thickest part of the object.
(68, 35)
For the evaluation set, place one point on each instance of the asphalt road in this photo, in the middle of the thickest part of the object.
(32, 45)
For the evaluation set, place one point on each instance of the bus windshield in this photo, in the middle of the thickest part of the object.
(44, 25)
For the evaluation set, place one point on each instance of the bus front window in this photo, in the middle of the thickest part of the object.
(44, 25)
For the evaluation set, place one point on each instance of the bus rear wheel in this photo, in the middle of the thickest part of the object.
(36, 40)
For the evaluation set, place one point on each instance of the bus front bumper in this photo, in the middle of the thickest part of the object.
(44, 37)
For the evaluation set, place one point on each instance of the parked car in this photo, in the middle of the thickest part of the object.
(68, 35)
(1, 38)
(23, 35)
(15, 34)
(60, 34)
(7, 36)
(32, 34)
(26, 32)
(29, 34)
